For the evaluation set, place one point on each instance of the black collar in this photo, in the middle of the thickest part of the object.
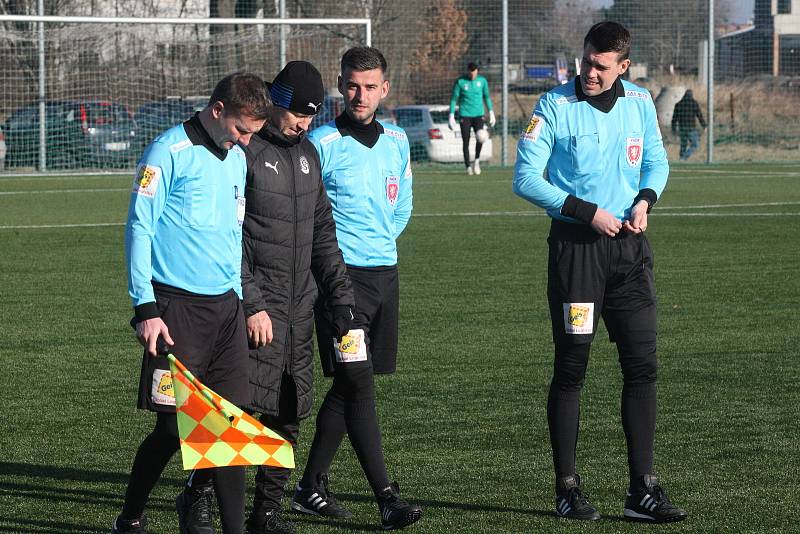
(272, 135)
(366, 134)
(199, 136)
(604, 101)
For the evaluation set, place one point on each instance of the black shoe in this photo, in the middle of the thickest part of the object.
(196, 510)
(571, 502)
(318, 501)
(395, 512)
(268, 521)
(129, 526)
(651, 504)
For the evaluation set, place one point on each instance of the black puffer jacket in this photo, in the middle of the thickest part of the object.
(289, 239)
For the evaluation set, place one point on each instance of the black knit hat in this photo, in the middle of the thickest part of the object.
(298, 87)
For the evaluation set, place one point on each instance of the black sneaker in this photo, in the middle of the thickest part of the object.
(318, 501)
(395, 512)
(129, 526)
(268, 521)
(196, 510)
(651, 504)
(571, 502)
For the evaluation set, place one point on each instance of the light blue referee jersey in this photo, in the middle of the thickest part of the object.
(369, 190)
(184, 220)
(604, 158)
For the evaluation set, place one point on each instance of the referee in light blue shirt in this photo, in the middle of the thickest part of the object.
(183, 245)
(599, 141)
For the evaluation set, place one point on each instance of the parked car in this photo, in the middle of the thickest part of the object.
(429, 136)
(77, 134)
(157, 116)
(2, 149)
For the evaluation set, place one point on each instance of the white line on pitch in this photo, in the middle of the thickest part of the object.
(81, 225)
(51, 191)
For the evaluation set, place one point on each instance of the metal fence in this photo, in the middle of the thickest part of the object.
(78, 94)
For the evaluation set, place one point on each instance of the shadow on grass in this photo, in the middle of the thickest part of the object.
(23, 526)
(56, 472)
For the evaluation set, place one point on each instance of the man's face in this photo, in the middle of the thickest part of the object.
(473, 74)
(231, 127)
(362, 92)
(599, 70)
(290, 123)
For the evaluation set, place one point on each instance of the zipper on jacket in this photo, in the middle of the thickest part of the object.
(290, 362)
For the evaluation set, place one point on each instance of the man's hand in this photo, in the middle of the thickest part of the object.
(638, 220)
(342, 321)
(259, 329)
(492, 119)
(148, 332)
(605, 223)
(451, 122)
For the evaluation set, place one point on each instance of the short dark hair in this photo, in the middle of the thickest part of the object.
(609, 36)
(363, 58)
(243, 92)
(472, 66)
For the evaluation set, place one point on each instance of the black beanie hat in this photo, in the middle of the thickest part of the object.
(298, 87)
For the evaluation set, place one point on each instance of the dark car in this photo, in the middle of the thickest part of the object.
(155, 117)
(77, 134)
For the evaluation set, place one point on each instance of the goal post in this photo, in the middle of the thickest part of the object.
(90, 92)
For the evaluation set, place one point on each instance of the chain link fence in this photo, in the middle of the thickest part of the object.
(109, 88)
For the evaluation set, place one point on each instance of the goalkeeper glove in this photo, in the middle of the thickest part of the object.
(492, 119)
(451, 122)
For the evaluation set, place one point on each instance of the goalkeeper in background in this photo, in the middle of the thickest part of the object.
(469, 92)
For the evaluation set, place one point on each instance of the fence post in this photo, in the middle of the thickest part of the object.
(42, 95)
(710, 82)
(504, 149)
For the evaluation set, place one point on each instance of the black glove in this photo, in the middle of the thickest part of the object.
(342, 321)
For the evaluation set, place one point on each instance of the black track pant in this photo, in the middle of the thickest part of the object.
(467, 123)
(589, 276)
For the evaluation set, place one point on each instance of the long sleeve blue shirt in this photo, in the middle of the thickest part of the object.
(185, 216)
(369, 189)
(603, 158)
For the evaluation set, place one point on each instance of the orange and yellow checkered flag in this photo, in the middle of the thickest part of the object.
(216, 433)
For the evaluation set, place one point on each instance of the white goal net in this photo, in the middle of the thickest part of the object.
(106, 89)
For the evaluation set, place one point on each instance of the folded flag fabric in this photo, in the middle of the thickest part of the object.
(216, 433)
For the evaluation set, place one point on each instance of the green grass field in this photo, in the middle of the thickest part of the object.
(463, 419)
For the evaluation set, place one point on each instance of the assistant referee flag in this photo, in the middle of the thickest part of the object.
(216, 433)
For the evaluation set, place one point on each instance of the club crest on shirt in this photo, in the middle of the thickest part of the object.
(304, 164)
(392, 188)
(633, 150)
(146, 181)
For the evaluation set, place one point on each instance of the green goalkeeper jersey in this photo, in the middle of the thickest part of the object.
(469, 95)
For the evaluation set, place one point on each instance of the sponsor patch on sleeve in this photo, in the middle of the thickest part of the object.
(533, 128)
(394, 133)
(330, 138)
(177, 147)
(578, 317)
(162, 392)
(351, 348)
(630, 93)
(146, 181)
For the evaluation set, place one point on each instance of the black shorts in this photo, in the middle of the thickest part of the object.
(377, 294)
(592, 275)
(210, 340)
(467, 123)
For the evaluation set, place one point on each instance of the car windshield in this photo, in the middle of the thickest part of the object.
(102, 113)
(440, 117)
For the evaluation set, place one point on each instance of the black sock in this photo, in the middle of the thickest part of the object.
(153, 455)
(361, 419)
(229, 485)
(563, 416)
(639, 422)
(330, 430)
